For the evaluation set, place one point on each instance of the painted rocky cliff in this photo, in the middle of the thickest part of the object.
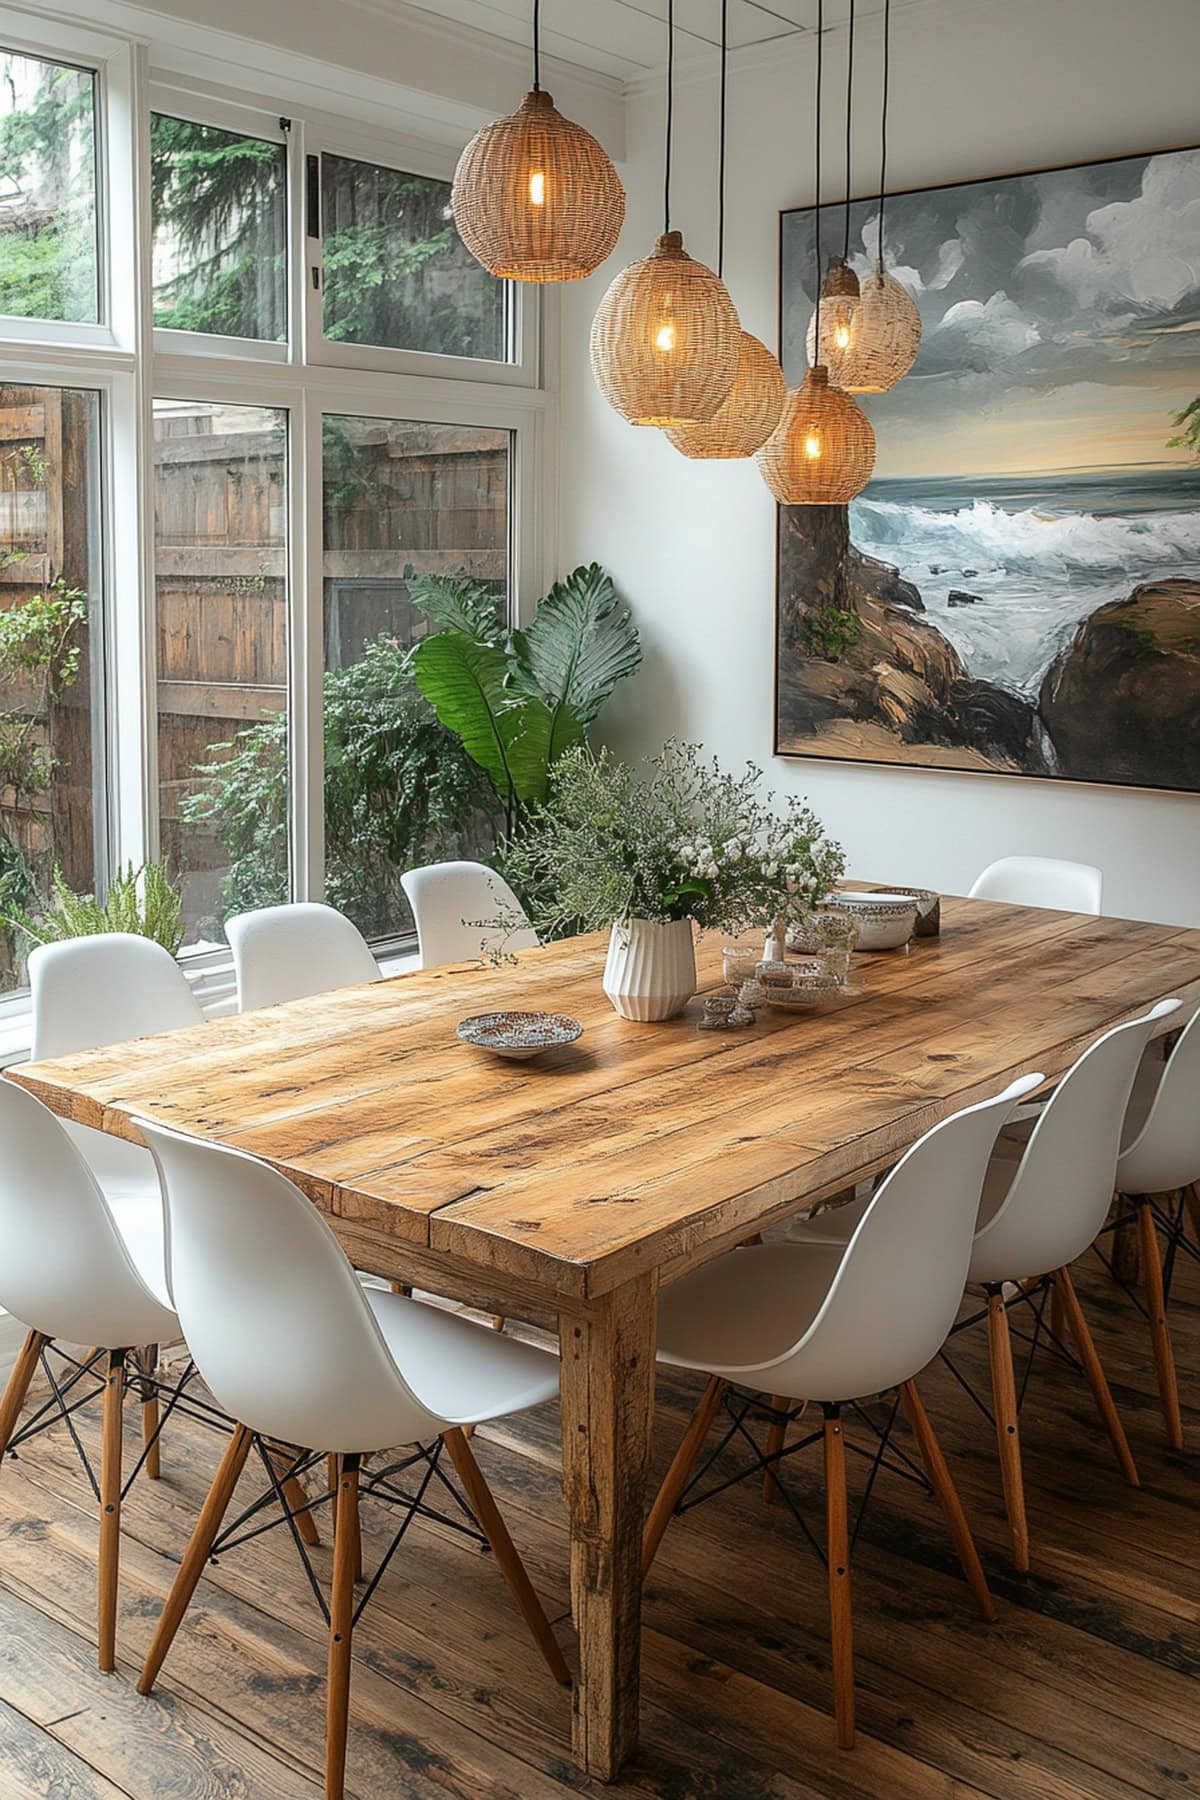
(863, 674)
(1122, 699)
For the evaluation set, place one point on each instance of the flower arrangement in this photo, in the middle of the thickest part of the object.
(682, 840)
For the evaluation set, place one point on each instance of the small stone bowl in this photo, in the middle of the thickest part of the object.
(885, 920)
(518, 1035)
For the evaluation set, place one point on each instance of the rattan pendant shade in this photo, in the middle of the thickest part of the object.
(823, 450)
(840, 315)
(666, 339)
(886, 339)
(747, 417)
(536, 198)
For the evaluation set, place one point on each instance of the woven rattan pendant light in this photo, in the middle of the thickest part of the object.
(747, 417)
(888, 333)
(666, 337)
(535, 197)
(838, 313)
(823, 450)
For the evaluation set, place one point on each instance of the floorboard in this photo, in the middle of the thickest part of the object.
(1084, 1689)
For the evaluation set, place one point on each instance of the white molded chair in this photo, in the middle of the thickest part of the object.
(1043, 1205)
(1162, 1158)
(297, 1352)
(73, 1273)
(835, 1323)
(1041, 881)
(1045, 1198)
(451, 901)
(288, 952)
(90, 991)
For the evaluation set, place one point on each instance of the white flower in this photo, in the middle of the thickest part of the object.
(770, 870)
(733, 850)
(687, 853)
(710, 870)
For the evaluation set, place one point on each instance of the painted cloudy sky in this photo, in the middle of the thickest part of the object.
(1060, 312)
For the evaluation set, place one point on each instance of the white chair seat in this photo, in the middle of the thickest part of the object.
(745, 1309)
(460, 1371)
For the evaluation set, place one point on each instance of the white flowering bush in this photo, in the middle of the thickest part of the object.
(679, 839)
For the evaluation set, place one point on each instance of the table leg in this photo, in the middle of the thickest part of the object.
(607, 1425)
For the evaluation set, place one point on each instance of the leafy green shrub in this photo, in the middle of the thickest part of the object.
(399, 790)
(829, 632)
(142, 900)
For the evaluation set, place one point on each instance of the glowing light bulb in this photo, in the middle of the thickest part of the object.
(841, 337)
(664, 337)
(537, 188)
(812, 446)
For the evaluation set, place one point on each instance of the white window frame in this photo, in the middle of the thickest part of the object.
(522, 309)
(130, 363)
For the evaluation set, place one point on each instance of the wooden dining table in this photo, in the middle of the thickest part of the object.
(567, 1190)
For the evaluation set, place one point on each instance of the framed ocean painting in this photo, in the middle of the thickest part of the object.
(1018, 589)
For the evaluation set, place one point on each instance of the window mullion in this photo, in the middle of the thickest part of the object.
(306, 656)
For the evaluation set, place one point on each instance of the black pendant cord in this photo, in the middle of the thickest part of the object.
(721, 141)
(537, 46)
(817, 173)
(883, 116)
(670, 111)
(849, 130)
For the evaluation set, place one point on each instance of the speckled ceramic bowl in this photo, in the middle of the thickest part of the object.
(885, 921)
(519, 1034)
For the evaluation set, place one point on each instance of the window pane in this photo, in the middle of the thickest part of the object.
(400, 499)
(51, 668)
(219, 208)
(220, 538)
(396, 271)
(48, 260)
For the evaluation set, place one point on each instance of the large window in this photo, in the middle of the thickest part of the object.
(396, 272)
(220, 540)
(219, 201)
(48, 236)
(400, 499)
(51, 668)
(208, 604)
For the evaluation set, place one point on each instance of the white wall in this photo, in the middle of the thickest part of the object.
(978, 89)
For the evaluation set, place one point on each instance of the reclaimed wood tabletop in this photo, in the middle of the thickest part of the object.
(568, 1189)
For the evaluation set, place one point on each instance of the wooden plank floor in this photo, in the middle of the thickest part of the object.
(1086, 1686)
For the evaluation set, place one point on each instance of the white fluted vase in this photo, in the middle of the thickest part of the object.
(651, 968)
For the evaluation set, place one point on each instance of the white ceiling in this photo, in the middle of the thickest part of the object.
(627, 38)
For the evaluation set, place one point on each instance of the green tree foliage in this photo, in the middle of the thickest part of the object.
(1188, 436)
(218, 204)
(47, 191)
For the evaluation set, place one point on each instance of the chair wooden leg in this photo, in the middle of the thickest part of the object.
(17, 1386)
(1160, 1335)
(1008, 1439)
(192, 1567)
(776, 1437)
(676, 1478)
(148, 1362)
(479, 1494)
(837, 1551)
(110, 1509)
(947, 1495)
(341, 1628)
(1096, 1378)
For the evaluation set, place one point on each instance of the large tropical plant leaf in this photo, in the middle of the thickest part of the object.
(459, 604)
(508, 734)
(578, 647)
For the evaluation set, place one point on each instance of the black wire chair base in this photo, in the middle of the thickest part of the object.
(1034, 1296)
(740, 1404)
(382, 1484)
(1169, 1212)
(85, 1383)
